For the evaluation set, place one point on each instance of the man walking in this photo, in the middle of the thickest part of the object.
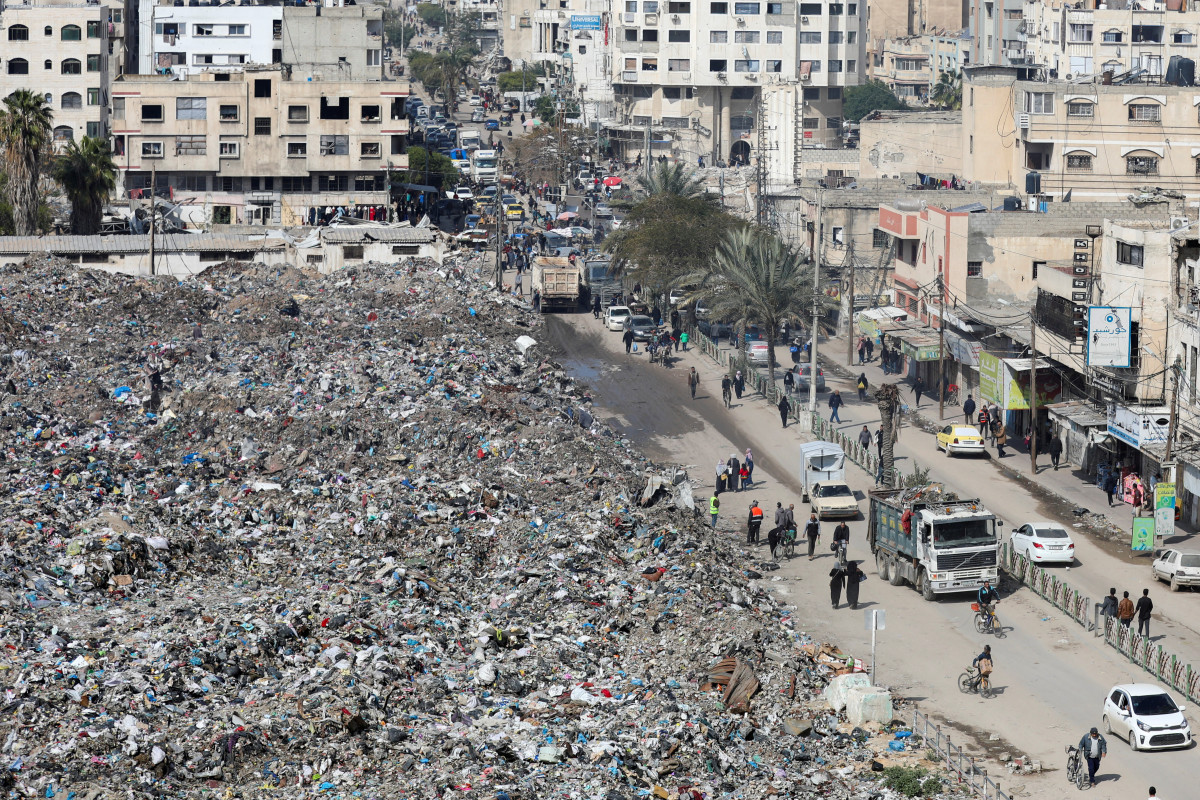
(985, 422)
(879, 443)
(835, 403)
(1125, 610)
(1144, 606)
(714, 508)
(1110, 489)
(789, 381)
(968, 409)
(864, 438)
(918, 388)
(628, 339)
(812, 529)
(1109, 607)
(1055, 449)
(1093, 747)
(785, 408)
(753, 523)
(693, 381)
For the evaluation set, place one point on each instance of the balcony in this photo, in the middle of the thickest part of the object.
(629, 76)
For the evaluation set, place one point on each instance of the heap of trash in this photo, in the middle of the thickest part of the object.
(359, 535)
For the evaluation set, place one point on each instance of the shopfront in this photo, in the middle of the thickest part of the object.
(1140, 436)
(1005, 382)
(1084, 433)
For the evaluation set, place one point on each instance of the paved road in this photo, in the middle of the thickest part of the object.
(1051, 676)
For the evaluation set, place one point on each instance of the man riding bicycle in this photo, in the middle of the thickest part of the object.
(987, 599)
(984, 661)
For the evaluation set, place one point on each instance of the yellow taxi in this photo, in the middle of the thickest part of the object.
(959, 439)
(514, 211)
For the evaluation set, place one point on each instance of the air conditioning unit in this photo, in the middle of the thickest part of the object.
(804, 20)
(722, 76)
(685, 76)
(1180, 223)
(652, 19)
(741, 21)
(1023, 121)
(751, 76)
(675, 18)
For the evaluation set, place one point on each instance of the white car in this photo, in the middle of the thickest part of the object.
(1146, 716)
(475, 100)
(833, 499)
(676, 294)
(1043, 543)
(1178, 568)
(614, 318)
(757, 352)
(464, 193)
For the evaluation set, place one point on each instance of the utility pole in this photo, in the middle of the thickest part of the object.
(941, 349)
(1174, 416)
(153, 177)
(850, 314)
(1033, 420)
(816, 309)
(646, 149)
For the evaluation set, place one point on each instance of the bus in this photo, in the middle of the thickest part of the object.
(484, 166)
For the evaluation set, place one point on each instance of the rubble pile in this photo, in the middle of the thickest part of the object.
(266, 530)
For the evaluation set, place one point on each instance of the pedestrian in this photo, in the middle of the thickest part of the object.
(883, 359)
(744, 477)
(879, 443)
(753, 523)
(683, 340)
(1144, 606)
(1001, 437)
(784, 409)
(748, 463)
(773, 537)
(1055, 449)
(1125, 609)
(985, 421)
(726, 385)
(862, 387)
(1093, 747)
(870, 349)
(837, 580)
(864, 438)
(714, 508)
(1153, 794)
(835, 403)
(693, 381)
(537, 300)
(812, 529)
(841, 540)
(721, 470)
(628, 339)
(734, 468)
(517, 285)
(918, 388)
(968, 409)
(1110, 485)
(862, 350)
(596, 307)
(1109, 607)
(854, 576)
(739, 384)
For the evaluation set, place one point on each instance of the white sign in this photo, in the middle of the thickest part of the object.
(1108, 336)
(876, 619)
(1138, 427)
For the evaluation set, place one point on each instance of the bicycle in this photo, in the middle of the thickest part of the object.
(952, 394)
(987, 623)
(788, 542)
(1076, 768)
(974, 681)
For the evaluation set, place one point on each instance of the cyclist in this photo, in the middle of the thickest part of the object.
(984, 660)
(987, 599)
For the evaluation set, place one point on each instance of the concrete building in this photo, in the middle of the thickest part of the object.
(911, 65)
(332, 42)
(69, 53)
(889, 19)
(259, 146)
(995, 28)
(902, 145)
(572, 45)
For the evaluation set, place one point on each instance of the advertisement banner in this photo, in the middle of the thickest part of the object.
(1049, 389)
(1108, 336)
(1164, 509)
(1143, 534)
(990, 369)
(585, 22)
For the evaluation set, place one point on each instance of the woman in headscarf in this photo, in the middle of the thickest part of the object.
(749, 462)
(837, 579)
(854, 576)
(721, 470)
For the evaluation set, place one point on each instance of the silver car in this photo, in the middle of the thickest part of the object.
(803, 372)
(642, 327)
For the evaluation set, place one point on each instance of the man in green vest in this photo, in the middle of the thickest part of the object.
(714, 508)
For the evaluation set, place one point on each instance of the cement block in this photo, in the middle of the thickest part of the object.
(868, 704)
(835, 692)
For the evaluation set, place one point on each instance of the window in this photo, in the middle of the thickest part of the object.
(191, 108)
(852, 10)
(93, 97)
(352, 251)
(368, 183)
(679, 36)
(369, 150)
(812, 94)
(811, 123)
(339, 109)
(152, 112)
(262, 126)
(192, 145)
(297, 149)
(745, 37)
(672, 92)
(93, 29)
(229, 113)
(649, 65)
(835, 65)
(852, 65)
(631, 34)
(72, 100)
(1141, 165)
(227, 184)
(1144, 112)
(48, 64)
(18, 66)
(151, 149)
(237, 30)
(650, 35)
(718, 37)
(746, 8)
(743, 93)
(203, 59)
(631, 63)
(1183, 37)
(1079, 162)
(833, 122)
(1079, 109)
(1079, 33)
(718, 8)
(333, 183)
(63, 133)
(910, 63)
(746, 65)
(1129, 253)
(974, 269)
(775, 8)
(18, 33)
(335, 145)
(371, 114)
(266, 184)
(714, 65)
(373, 58)
(297, 113)
(93, 130)
(299, 184)
(774, 65)
(851, 36)
(679, 65)
(93, 62)
(810, 37)
(630, 6)
(71, 33)
(118, 108)
(1111, 37)
(774, 37)
(48, 31)
(229, 149)
(650, 6)
(880, 239)
(202, 30)
(835, 9)
(676, 7)
(406, 250)
(262, 87)
(835, 37)
(839, 235)
(192, 183)
(741, 122)
(71, 66)
(1039, 102)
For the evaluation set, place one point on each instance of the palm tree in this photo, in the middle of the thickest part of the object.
(87, 174)
(888, 398)
(947, 92)
(671, 179)
(25, 122)
(451, 66)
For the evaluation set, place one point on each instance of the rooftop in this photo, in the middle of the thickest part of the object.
(164, 243)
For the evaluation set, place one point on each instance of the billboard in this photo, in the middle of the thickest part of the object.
(1108, 336)
(990, 370)
(585, 22)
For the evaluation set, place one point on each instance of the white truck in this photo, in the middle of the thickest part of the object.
(821, 462)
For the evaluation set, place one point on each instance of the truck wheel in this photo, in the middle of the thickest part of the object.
(895, 578)
(924, 586)
(881, 566)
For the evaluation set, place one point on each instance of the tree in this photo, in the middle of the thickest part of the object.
(463, 28)
(546, 153)
(432, 15)
(888, 398)
(673, 179)
(546, 109)
(87, 174)
(25, 124)
(870, 96)
(947, 92)
(442, 173)
(523, 81)
(399, 32)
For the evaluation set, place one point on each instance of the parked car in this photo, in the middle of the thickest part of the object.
(1146, 716)
(713, 330)
(642, 327)
(803, 373)
(960, 439)
(492, 125)
(833, 499)
(1178, 568)
(675, 296)
(614, 318)
(758, 353)
(1043, 543)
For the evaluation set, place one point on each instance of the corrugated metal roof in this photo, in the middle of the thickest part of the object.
(166, 243)
(377, 233)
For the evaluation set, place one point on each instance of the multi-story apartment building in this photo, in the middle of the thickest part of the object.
(572, 45)
(259, 146)
(337, 42)
(911, 65)
(996, 27)
(67, 52)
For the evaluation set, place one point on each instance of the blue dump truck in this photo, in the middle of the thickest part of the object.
(933, 540)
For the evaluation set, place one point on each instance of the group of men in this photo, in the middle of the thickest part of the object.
(1125, 609)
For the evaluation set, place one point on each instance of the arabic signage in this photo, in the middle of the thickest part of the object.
(1164, 509)
(1108, 336)
(1008, 388)
(990, 370)
(1138, 427)
(923, 352)
(585, 22)
(1143, 534)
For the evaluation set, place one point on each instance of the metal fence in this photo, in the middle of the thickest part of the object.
(969, 774)
(1162, 664)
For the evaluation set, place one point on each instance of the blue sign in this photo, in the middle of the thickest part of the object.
(585, 22)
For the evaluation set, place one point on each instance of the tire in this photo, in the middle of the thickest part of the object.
(1081, 778)
(1108, 725)
(1174, 583)
(1133, 745)
(980, 626)
(947, 451)
(923, 586)
(895, 578)
(1154, 576)
(881, 566)
(964, 683)
(998, 628)
(985, 688)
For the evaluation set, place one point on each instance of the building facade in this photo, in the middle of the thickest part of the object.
(912, 65)
(996, 32)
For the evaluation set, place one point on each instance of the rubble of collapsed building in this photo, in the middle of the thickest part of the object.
(359, 535)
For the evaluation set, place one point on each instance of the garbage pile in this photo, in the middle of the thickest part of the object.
(343, 536)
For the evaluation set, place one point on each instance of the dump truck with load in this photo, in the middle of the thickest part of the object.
(559, 281)
(933, 540)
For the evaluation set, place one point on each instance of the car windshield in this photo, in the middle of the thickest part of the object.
(641, 322)
(1190, 561)
(969, 433)
(834, 490)
(1051, 533)
(1153, 705)
(962, 533)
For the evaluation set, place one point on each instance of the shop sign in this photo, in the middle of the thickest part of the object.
(1138, 427)
(1164, 509)
(990, 370)
(1143, 534)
